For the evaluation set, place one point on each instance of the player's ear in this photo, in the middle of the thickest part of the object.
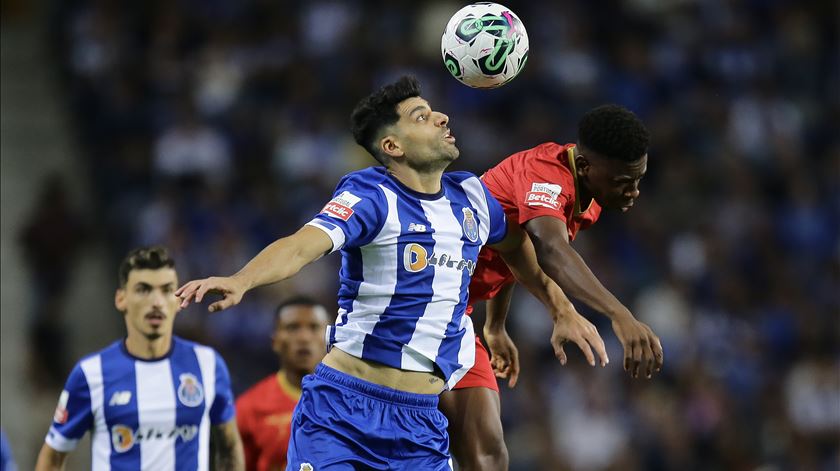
(119, 300)
(582, 165)
(275, 342)
(390, 146)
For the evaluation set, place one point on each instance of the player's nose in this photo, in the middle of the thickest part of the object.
(441, 119)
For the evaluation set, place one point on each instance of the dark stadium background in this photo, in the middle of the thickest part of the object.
(731, 254)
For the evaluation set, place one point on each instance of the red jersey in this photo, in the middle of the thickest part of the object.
(264, 417)
(536, 182)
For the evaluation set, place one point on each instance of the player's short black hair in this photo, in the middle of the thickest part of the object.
(378, 110)
(305, 301)
(142, 258)
(614, 132)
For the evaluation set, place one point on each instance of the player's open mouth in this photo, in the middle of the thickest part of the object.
(448, 137)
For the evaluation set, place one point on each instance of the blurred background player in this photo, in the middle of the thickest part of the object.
(152, 401)
(264, 412)
(553, 191)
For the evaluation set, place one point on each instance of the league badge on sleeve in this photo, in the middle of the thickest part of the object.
(544, 194)
(341, 206)
(470, 225)
(60, 416)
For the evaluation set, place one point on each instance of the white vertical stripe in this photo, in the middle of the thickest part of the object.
(478, 199)
(156, 409)
(446, 284)
(379, 274)
(207, 363)
(100, 440)
(466, 355)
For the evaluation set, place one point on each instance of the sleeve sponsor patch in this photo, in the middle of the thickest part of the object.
(544, 194)
(341, 206)
(60, 415)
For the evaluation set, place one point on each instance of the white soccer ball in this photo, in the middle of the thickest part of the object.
(485, 45)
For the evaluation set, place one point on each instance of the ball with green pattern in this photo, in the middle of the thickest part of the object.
(484, 45)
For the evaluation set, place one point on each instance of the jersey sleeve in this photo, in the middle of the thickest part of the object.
(223, 408)
(73, 414)
(498, 219)
(354, 215)
(543, 189)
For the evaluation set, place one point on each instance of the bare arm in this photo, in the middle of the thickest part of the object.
(565, 266)
(280, 260)
(519, 255)
(50, 459)
(226, 447)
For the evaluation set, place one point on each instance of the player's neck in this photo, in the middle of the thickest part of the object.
(293, 378)
(421, 182)
(148, 349)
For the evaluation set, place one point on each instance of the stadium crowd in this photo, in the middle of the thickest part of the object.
(224, 124)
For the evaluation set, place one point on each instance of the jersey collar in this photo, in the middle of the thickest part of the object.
(571, 151)
(290, 389)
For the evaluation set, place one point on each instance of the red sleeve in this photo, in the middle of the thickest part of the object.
(543, 186)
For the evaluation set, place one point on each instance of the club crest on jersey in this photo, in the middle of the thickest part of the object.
(544, 194)
(190, 391)
(306, 467)
(470, 225)
(341, 206)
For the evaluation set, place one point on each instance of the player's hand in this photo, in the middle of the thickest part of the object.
(572, 327)
(229, 288)
(504, 356)
(642, 349)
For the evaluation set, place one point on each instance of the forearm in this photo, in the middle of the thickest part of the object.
(50, 459)
(566, 268)
(525, 267)
(226, 448)
(497, 309)
(280, 260)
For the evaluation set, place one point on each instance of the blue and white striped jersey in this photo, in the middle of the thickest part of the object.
(145, 414)
(407, 259)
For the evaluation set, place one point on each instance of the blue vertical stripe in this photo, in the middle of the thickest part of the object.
(183, 361)
(451, 344)
(121, 420)
(412, 293)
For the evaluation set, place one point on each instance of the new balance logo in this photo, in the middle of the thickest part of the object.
(120, 398)
(414, 227)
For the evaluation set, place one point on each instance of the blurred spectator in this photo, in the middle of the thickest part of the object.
(51, 239)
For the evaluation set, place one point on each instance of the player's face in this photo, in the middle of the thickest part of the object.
(423, 136)
(613, 183)
(299, 337)
(149, 303)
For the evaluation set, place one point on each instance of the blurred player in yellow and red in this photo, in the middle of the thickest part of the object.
(552, 191)
(264, 412)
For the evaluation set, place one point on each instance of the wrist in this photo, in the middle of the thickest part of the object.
(243, 281)
(494, 328)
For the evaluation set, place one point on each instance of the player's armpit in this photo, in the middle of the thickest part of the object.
(50, 459)
(226, 450)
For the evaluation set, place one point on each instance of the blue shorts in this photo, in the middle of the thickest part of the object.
(345, 423)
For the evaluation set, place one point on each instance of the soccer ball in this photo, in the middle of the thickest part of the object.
(485, 45)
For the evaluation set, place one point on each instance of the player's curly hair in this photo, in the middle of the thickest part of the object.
(151, 258)
(378, 110)
(614, 132)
